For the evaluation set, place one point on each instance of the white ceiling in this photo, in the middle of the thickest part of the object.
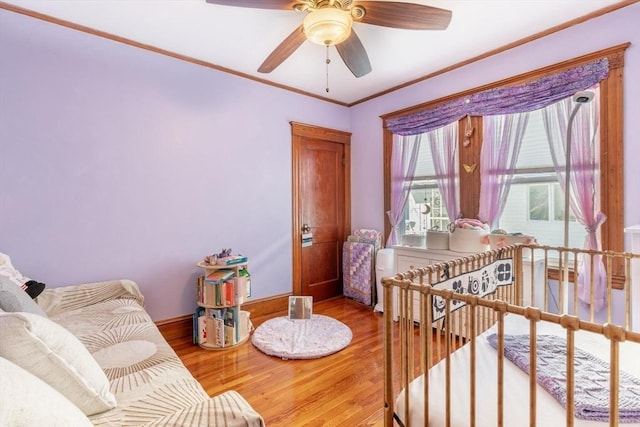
(240, 38)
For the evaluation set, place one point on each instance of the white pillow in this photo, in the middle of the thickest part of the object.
(54, 355)
(29, 401)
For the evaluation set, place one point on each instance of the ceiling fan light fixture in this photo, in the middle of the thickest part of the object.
(328, 26)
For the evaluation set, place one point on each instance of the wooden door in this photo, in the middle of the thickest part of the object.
(321, 201)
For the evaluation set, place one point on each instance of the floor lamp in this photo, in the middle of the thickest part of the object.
(579, 98)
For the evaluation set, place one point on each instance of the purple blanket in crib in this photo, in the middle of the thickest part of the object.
(591, 374)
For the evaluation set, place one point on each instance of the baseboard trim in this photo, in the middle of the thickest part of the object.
(182, 326)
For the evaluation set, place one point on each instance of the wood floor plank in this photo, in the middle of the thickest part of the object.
(342, 389)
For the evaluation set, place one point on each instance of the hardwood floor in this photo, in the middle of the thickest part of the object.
(343, 389)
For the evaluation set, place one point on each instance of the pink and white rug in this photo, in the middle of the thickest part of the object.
(301, 339)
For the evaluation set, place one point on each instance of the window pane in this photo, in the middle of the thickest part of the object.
(534, 152)
(425, 209)
(535, 205)
(424, 166)
(539, 202)
(558, 208)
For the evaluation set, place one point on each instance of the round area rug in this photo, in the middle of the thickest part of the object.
(301, 339)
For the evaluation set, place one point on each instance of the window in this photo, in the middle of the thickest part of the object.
(426, 208)
(535, 205)
(611, 139)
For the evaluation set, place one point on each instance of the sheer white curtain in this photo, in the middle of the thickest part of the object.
(584, 189)
(404, 156)
(444, 151)
(502, 139)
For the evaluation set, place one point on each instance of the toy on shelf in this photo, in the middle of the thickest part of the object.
(224, 257)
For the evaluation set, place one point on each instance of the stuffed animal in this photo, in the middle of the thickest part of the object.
(32, 287)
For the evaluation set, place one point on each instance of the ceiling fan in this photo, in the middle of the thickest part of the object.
(329, 23)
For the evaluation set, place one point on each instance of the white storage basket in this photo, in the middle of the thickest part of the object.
(467, 240)
(437, 240)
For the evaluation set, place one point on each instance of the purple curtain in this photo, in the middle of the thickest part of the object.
(444, 143)
(583, 181)
(404, 157)
(504, 100)
(501, 142)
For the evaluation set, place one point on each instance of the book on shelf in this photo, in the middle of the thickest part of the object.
(215, 327)
(218, 276)
(228, 293)
(210, 295)
(244, 326)
(221, 327)
(241, 290)
(213, 290)
(199, 323)
(217, 313)
(238, 335)
(230, 329)
(232, 260)
(202, 329)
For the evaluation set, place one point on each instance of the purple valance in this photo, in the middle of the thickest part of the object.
(504, 100)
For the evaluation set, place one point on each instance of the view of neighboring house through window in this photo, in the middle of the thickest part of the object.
(425, 210)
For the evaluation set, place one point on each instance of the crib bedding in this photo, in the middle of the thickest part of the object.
(516, 382)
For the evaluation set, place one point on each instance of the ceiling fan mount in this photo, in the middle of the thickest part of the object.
(329, 23)
(356, 11)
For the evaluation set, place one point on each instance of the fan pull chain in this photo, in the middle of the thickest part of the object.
(328, 61)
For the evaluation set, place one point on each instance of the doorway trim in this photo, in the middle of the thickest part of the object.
(299, 131)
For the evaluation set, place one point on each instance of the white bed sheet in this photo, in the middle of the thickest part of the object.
(550, 412)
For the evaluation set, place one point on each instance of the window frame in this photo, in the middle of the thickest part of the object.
(611, 145)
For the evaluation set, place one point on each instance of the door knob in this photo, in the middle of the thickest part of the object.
(306, 228)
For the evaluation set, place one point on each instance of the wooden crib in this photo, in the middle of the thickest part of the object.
(467, 335)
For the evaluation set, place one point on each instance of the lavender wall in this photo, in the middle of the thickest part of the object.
(606, 31)
(121, 163)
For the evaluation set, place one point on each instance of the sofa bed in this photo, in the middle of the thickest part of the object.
(90, 355)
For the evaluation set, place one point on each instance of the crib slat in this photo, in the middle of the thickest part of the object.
(627, 292)
(500, 369)
(533, 372)
(447, 346)
(472, 385)
(592, 286)
(614, 375)
(570, 377)
(388, 355)
(429, 355)
(609, 267)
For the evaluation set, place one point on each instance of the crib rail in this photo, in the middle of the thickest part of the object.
(554, 281)
(584, 280)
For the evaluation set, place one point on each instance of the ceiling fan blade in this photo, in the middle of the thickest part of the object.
(258, 4)
(404, 15)
(354, 55)
(283, 51)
